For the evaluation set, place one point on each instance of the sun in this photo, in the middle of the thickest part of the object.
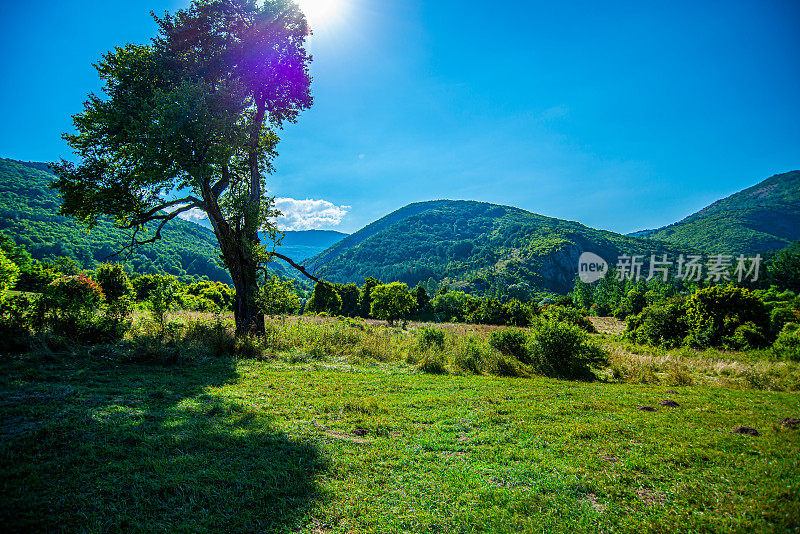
(319, 12)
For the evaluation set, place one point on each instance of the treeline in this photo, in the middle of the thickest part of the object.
(396, 302)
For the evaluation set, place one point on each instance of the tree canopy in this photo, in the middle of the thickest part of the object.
(189, 122)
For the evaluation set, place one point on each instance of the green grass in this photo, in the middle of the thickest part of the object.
(344, 443)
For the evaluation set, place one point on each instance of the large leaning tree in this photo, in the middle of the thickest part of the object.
(189, 122)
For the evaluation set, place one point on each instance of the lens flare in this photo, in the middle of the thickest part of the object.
(319, 12)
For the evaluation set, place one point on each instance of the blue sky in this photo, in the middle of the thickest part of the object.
(621, 115)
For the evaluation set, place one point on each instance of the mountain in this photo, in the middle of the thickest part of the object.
(478, 247)
(29, 215)
(761, 219)
(303, 244)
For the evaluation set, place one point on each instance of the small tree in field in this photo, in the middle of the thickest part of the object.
(114, 282)
(324, 299)
(391, 302)
(195, 111)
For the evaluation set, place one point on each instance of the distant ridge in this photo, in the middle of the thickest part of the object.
(760, 219)
(476, 246)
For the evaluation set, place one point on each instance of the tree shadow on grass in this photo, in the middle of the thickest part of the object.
(146, 448)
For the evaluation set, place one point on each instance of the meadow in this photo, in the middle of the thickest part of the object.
(331, 425)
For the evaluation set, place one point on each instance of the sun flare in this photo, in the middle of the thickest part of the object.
(319, 12)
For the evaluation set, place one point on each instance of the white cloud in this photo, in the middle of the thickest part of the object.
(308, 214)
(195, 215)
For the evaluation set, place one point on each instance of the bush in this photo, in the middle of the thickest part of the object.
(780, 317)
(429, 337)
(72, 297)
(511, 342)
(114, 282)
(9, 273)
(746, 337)
(787, 346)
(16, 322)
(715, 313)
(162, 298)
(659, 325)
(562, 350)
(570, 316)
(632, 304)
(278, 297)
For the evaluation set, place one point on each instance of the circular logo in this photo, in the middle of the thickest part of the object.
(591, 267)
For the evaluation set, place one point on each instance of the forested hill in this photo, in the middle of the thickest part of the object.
(29, 215)
(760, 219)
(482, 248)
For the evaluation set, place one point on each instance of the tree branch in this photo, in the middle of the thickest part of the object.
(164, 220)
(297, 266)
(142, 218)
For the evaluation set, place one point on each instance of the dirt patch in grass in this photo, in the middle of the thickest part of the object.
(609, 325)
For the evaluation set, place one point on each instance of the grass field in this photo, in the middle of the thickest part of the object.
(343, 443)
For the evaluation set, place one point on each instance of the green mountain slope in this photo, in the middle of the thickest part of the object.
(29, 215)
(760, 219)
(482, 248)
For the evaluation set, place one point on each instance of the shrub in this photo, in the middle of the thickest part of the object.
(511, 342)
(746, 337)
(429, 336)
(391, 302)
(787, 346)
(114, 282)
(780, 317)
(519, 314)
(715, 313)
(453, 305)
(162, 298)
(562, 350)
(659, 325)
(489, 311)
(632, 304)
(569, 315)
(9, 273)
(16, 321)
(73, 297)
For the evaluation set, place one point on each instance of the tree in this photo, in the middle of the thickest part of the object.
(278, 297)
(324, 299)
(391, 302)
(189, 123)
(365, 296)
(785, 269)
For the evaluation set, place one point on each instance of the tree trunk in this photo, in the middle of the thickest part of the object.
(249, 320)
